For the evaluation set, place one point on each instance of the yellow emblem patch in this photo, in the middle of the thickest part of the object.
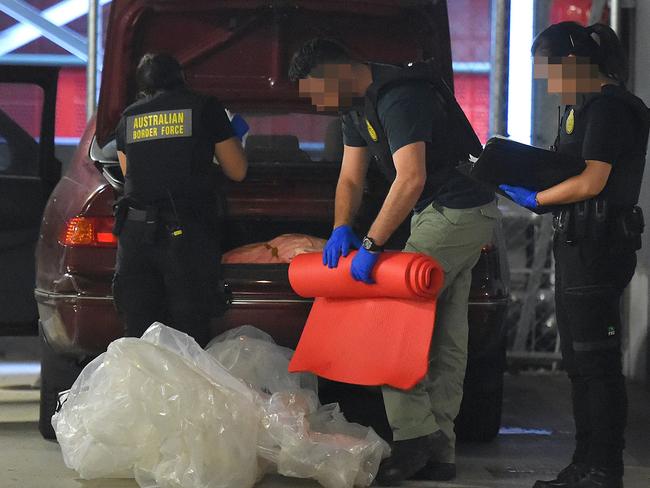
(371, 131)
(570, 123)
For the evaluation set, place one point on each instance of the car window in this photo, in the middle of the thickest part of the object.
(21, 110)
(293, 138)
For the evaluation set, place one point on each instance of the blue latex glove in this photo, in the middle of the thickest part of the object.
(239, 126)
(339, 243)
(522, 196)
(362, 265)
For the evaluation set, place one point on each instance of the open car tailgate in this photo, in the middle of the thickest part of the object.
(240, 50)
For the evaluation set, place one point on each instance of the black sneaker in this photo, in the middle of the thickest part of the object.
(407, 458)
(434, 471)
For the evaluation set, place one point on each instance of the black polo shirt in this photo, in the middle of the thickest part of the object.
(169, 139)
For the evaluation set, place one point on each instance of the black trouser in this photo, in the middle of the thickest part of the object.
(174, 280)
(590, 280)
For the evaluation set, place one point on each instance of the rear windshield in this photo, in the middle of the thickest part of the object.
(293, 137)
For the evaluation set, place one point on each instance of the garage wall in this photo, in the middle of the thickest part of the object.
(637, 357)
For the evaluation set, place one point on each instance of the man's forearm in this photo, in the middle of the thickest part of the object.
(347, 202)
(398, 205)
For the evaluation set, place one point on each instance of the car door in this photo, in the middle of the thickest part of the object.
(28, 173)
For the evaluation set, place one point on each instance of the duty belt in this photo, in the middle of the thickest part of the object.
(595, 220)
(150, 215)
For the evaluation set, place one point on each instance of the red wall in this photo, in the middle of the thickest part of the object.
(71, 103)
(469, 25)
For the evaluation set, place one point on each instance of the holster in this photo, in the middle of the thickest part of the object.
(598, 219)
(151, 224)
(120, 210)
(629, 226)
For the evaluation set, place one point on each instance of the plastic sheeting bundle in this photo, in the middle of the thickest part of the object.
(299, 437)
(367, 334)
(163, 411)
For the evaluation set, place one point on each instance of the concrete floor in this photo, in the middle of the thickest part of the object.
(536, 439)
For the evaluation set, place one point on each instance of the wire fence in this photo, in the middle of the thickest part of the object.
(533, 338)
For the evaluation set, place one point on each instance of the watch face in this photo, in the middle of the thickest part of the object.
(367, 244)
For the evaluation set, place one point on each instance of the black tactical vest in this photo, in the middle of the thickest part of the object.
(448, 149)
(624, 183)
(169, 151)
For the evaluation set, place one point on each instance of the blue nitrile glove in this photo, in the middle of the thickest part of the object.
(239, 126)
(362, 265)
(522, 196)
(342, 238)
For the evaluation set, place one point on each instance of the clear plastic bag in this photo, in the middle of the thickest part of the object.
(252, 356)
(306, 440)
(161, 410)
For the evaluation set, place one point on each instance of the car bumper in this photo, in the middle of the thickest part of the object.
(78, 324)
(81, 324)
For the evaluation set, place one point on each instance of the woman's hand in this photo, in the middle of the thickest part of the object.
(522, 196)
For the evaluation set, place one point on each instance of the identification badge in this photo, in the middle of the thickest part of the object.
(371, 131)
(570, 123)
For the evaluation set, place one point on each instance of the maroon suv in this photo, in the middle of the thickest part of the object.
(239, 51)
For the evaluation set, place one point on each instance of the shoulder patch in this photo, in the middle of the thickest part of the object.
(371, 131)
(159, 125)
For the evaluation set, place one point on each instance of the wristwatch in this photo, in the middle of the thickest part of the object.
(369, 244)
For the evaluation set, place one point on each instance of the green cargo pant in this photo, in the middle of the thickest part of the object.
(454, 237)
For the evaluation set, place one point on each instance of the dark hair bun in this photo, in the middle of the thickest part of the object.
(158, 72)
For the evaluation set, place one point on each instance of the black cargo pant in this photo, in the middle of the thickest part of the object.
(590, 280)
(174, 280)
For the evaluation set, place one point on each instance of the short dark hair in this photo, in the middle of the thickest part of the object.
(597, 42)
(316, 52)
(156, 72)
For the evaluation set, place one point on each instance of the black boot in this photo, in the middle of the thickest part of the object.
(573, 477)
(570, 475)
(599, 478)
(434, 471)
(407, 458)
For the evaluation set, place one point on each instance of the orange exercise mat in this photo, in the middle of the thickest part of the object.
(367, 334)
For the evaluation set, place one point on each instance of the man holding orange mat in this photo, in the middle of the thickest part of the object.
(406, 119)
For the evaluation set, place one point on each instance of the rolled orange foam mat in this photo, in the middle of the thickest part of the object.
(367, 334)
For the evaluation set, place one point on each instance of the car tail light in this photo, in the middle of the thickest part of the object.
(89, 232)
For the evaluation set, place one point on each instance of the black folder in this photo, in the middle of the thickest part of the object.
(508, 162)
(512, 163)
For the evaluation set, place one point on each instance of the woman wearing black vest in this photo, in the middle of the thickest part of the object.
(168, 257)
(598, 229)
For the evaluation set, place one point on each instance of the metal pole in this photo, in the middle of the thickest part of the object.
(91, 67)
(100, 50)
(499, 62)
(615, 16)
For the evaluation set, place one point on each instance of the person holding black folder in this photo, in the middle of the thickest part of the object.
(598, 228)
